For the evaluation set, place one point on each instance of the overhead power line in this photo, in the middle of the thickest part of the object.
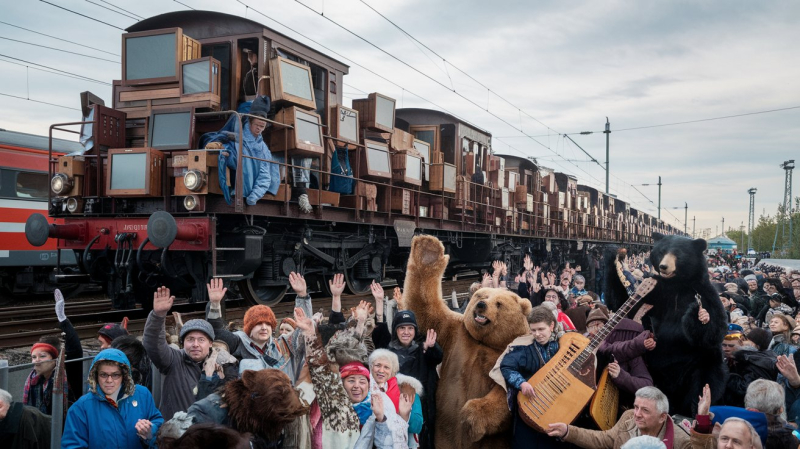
(184, 4)
(82, 15)
(121, 9)
(59, 49)
(38, 101)
(73, 75)
(112, 10)
(58, 38)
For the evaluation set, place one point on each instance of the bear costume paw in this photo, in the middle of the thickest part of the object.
(475, 418)
(427, 253)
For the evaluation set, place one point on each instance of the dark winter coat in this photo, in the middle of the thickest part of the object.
(72, 350)
(747, 365)
(420, 365)
(25, 427)
(180, 373)
(626, 344)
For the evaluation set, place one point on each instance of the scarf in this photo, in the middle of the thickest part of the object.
(364, 408)
(38, 392)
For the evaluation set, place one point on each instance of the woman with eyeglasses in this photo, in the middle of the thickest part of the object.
(115, 412)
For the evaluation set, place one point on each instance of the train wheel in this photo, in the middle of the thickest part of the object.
(268, 295)
(359, 278)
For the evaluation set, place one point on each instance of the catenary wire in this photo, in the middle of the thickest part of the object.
(58, 38)
(39, 101)
(112, 10)
(85, 78)
(59, 49)
(82, 15)
(122, 9)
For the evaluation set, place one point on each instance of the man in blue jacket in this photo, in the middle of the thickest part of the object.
(115, 412)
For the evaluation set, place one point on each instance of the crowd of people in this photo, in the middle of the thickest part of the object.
(369, 379)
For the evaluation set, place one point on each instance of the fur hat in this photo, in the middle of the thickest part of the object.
(750, 277)
(761, 337)
(730, 287)
(197, 325)
(259, 314)
(596, 315)
(260, 106)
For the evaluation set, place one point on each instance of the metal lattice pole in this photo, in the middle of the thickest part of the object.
(751, 217)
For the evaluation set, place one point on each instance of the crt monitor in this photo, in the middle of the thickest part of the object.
(291, 82)
(200, 76)
(151, 57)
(128, 171)
(378, 160)
(171, 129)
(384, 111)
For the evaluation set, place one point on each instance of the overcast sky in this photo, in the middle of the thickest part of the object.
(568, 64)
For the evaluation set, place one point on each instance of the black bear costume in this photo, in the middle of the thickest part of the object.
(688, 353)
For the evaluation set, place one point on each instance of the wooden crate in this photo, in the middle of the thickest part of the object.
(497, 178)
(367, 116)
(285, 139)
(496, 163)
(402, 201)
(443, 178)
(470, 164)
(323, 197)
(463, 193)
(191, 48)
(400, 168)
(438, 209)
(401, 141)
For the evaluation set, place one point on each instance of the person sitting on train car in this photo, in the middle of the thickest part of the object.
(22, 426)
(254, 346)
(649, 416)
(181, 368)
(259, 177)
(38, 389)
(418, 357)
(115, 412)
(72, 350)
(521, 360)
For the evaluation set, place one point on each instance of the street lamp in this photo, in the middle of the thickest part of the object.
(659, 195)
(685, 216)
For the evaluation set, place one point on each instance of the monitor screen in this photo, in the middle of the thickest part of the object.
(378, 158)
(128, 171)
(348, 124)
(306, 128)
(384, 112)
(450, 177)
(150, 56)
(171, 130)
(425, 151)
(195, 77)
(296, 81)
(413, 167)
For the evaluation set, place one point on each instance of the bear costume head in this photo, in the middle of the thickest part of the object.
(491, 309)
(678, 259)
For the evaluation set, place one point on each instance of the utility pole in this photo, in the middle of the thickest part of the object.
(607, 133)
(751, 218)
(741, 229)
(788, 166)
(723, 226)
(685, 217)
(659, 197)
(694, 222)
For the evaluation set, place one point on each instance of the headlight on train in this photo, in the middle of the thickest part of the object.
(60, 183)
(73, 205)
(190, 202)
(194, 180)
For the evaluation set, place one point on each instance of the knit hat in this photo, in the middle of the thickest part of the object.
(290, 322)
(596, 315)
(730, 287)
(405, 317)
(259, 314)
(751, 277)
(110, 331)
(50, 349)
(260, 106)
(354, 369)
(197, 325)
(761, 337)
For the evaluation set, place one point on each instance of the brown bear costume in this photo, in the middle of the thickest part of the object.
(471, 409)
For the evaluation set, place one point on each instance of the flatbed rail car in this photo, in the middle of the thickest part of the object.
(25, 269)
(150, 210)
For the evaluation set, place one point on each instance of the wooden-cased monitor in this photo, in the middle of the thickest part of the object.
(344, 124)
(304, 138)
(134, 172)
(376, 112)
(154, 56)
(407, 168)
(290, 82)
(424, 149)
(200, 78)
(443, 178)
(171, 129)
(375, 161)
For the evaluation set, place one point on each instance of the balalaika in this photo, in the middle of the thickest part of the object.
(566, 383)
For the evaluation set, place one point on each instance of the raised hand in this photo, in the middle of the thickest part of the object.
(162, 301)
(551, 278)
(377, 295)
(704, 401)
(215, 290)
(405, 406)
(144, 429)
(503, 269)
(377, 406)
(430, 341)
(487, 281)
(496, 268)
(397, 295)
(303, 322)
(298, 283)
(362, 311)
(787, 367)
(336, 284)
(62, 316)
(527, 263)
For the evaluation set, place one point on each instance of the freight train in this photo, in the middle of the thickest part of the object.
(146, 204)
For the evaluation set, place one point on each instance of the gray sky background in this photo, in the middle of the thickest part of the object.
(569, 64)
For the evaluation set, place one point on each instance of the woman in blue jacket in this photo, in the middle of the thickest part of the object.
(115, 413)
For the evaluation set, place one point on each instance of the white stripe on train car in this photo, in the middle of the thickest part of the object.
(12, 227)
(4, 253)
(23, 204)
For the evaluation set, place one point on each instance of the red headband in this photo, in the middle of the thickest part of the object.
(50, 349)
(354, 369)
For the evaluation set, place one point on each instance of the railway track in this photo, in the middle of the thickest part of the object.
(24, 325)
